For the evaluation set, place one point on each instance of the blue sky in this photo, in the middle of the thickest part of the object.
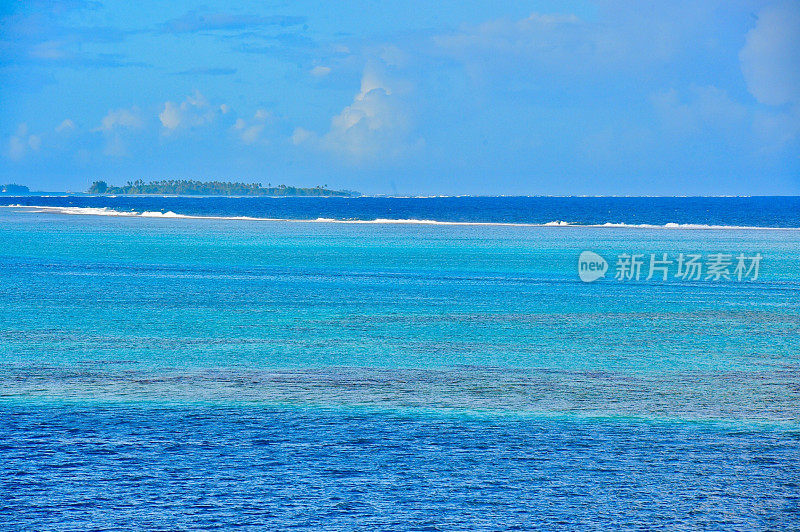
(442, 97)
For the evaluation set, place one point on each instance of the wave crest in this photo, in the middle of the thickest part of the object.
(106, 211)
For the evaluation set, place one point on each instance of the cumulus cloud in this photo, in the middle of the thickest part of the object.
(302, 136)
(116, 126)
(250, 130)
(771, 56)
(769, 61)
(170, 117)
(22, 143)
(194, 111)
(118, 119)
(376, 125)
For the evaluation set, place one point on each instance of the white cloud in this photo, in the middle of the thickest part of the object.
(66, 125)
(320, 71)
(16, 148)
(538, 32)
(776, 130)
(170, 117)
(770, 58)
(35, 142)
(22, 143)
(374, 126)
(703, 108)
(561, 41)
(115, 147)
(769, 61)
(117, 124)
(250, 131)
(49, 50)
(301, 136)
(393, 56)
(121, 119)
(711, 111)
(619, 36)
(194, 111)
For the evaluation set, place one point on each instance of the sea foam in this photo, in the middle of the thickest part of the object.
(106, 211)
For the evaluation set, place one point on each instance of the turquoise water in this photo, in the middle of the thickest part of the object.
(200, 372)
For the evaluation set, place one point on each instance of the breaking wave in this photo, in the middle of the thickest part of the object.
(106, 211)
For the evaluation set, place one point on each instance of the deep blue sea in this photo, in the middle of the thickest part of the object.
(214, 363)
(725, 211)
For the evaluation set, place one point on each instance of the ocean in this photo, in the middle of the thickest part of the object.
(453, 363)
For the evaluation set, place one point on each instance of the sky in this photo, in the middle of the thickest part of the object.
(448, 97)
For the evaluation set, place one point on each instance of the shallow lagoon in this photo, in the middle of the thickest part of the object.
(202, 372)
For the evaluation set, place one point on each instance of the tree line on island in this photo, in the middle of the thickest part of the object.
(213, 188)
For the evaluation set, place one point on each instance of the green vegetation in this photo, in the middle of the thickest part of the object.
(13, 189)
(212, 188)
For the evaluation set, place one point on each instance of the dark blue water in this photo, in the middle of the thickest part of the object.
(735, 211)
(202, 467)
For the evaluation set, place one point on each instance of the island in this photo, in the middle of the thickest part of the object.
(14, 189)
(213, 188)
